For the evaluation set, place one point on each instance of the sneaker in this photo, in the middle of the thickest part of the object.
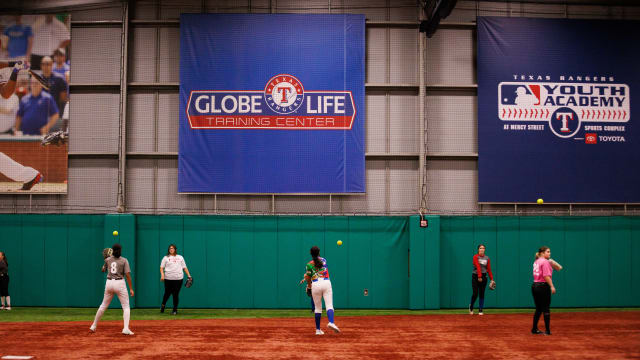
(162, 308)
(127, 332)
(480, 313)
(174, 312)
(30, 184)
(8, 308)
(333, 327)
(536, 331)
(470, 311)
(92, 328)
(547, 332)
(2, 307)
(319, 332)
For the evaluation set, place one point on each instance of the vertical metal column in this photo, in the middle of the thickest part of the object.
(422, 93)
(122, 138)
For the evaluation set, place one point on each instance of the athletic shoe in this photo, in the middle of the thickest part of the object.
(8, 308)
(480, 313)
(30, 184)
(92, 328)
(470, 311)
(2, 307)
(547, 332)
(319, 332)
(333, 327)
(127, 332)
(174, 312)
(536, 331)
(162, 308)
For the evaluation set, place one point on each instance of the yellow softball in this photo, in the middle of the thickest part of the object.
(540, 201)
(115, 232)
(339, 242)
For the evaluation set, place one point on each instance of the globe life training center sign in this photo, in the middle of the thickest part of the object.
(260, 116)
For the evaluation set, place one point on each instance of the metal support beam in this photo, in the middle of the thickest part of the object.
(122, 138)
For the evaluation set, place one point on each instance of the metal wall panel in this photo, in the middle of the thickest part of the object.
(403, 182)
(93, 185)
(375, 125)
(449, 64)
(452, 185)
(452, 123)
(376, 59)
(169, 55)
(140, 122)
(168, 122)
(96, 55)
(140, 185)
(142, 54)
(404, 130)
(93, 122)
(403, 56)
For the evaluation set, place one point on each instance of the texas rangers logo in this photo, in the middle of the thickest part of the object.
(283, 104)
(284, 94)
(565, 106)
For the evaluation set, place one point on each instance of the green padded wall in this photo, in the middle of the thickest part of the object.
(257, 262)
(596, 253)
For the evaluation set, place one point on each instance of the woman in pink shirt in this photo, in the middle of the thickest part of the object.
(542, 289)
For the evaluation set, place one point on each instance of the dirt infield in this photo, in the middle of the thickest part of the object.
(575, 336)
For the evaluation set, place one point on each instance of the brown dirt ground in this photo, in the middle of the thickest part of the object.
(610, 335)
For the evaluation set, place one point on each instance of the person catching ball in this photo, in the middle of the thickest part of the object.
(317, 277)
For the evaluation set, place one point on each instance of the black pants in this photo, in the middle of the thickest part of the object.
(478, 289)
(172, 287)
(4, 285)
(541, 292)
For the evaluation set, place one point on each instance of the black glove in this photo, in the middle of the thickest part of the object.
(55, 138)
(189, 282)
(309, 292)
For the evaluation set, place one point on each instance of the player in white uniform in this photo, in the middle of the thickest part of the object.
(317, 277)
(117, 267)
(171, 268)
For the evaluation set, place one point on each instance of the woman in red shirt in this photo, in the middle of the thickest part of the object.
(481, 267)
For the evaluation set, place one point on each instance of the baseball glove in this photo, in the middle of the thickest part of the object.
(492, 285)
(55, 138)
(189, 282)
(309, 292)
(107, 252)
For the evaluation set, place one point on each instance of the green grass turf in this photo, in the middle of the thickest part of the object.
(28, 314)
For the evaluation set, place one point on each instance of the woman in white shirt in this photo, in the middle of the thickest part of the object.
(171, 269)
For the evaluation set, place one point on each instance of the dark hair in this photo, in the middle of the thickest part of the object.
(315, 252)
(541, 250)
(482, 245)
(4, 257)
(174, 246)
(117, 250)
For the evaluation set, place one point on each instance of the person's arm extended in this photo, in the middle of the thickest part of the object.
(52, 121)
(161, 273)
(550, 282)
(129, 281)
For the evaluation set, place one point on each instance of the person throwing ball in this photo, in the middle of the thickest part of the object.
(116, 267)
(542, 288)
(171, 268)
(317, 277)
(481, 267)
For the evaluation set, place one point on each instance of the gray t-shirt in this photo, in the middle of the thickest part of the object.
(482, 260)
(116, 267)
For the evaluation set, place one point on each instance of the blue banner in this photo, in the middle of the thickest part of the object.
(271, 103)
(555, 117)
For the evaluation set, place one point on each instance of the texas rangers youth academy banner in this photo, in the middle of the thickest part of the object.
(555, 110)
(271, 103)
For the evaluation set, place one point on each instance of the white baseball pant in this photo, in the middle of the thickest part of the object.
(322, 289)
(119, 288)
(15, 171)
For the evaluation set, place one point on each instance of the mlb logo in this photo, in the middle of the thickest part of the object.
(520, 94)
(591, 138)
